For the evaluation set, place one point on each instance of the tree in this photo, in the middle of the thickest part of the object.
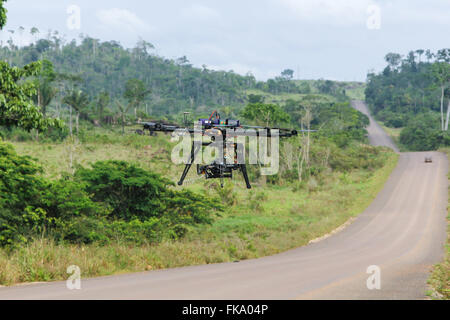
(393, 59)
(305, 142)
(123, 109)
(420, 52)
(443, 55)
(2, 14)
(45, 91)
(103, 100)
(255, 98)
(34, 32)
(441, 73)
(287, 74)
(16, 105)
(135, 93)
(77, 100)
(265, 114)
(429, 55)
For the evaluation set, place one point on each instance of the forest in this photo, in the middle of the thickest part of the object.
(413, 93)
(103, 71)
(78, 93)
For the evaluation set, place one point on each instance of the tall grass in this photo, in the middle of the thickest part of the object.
(258, 223)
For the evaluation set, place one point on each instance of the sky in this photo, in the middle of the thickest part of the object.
(328, 39)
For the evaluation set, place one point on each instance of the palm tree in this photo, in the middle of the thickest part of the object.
(34, 32)
(46, 93)
(77, 100)
(123, 111)
(135, 93)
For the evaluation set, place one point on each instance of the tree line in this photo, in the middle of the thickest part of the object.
(412, 92)
(99, 76)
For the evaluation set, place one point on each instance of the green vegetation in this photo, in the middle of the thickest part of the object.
(356, 91)
(107, 73)
(2, 14)
(440, 277)
(110, 200)
(16, 107)
(94, 202)
(277, 215)
(105, 200)
(411, 95)
(394, 133)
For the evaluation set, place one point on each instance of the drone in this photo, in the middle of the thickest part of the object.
(216, 126)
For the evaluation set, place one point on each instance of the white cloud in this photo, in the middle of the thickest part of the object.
(197, 11)
(401, 11)
(122, 20)
(336, 12)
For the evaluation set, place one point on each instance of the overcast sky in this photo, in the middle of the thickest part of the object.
(331, 39)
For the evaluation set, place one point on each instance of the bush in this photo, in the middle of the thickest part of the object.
(20, 192)
(21, 135)
(134, 193)
(31, 205)
(19, 179)
(65, 199)
(113, 200)
(131, 192)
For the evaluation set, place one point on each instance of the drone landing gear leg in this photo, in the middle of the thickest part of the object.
(240, 157)
(195, 149)
(244, 173)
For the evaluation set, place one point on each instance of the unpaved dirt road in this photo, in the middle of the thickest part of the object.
(377, 136)
(402, 233)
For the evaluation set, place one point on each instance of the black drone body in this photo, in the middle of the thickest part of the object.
(214, 125)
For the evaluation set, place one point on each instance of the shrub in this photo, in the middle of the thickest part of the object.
(134, 194)
(65, 199)
(131, 192)
(20, 191)
(20, 182)
(113, 200)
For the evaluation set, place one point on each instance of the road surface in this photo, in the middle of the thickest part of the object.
(402, 232)
(377, 136)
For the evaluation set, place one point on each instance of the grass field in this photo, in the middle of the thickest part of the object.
(263, 221)
(282, 98)
(353, 90)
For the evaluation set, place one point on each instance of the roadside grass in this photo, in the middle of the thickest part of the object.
(394, 133)
(440, 277)
(259, 222)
